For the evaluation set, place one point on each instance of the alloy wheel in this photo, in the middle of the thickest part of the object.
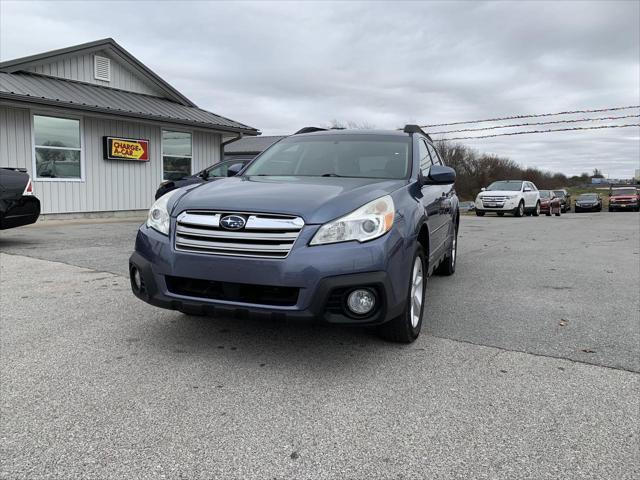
(417, 292)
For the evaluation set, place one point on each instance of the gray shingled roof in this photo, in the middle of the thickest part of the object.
(45, 90)
(251, 144)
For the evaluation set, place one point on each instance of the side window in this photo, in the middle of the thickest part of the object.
(218, 170)
(434, 155)
(425, 158)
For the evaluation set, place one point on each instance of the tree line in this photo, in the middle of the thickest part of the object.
(476, 170)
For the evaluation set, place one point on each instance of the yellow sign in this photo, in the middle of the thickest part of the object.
(126, 149)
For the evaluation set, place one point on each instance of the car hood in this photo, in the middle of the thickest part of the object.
(497, 193)
(623, 197)
(315, 199)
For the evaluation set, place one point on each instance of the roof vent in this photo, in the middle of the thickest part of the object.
(102, 68)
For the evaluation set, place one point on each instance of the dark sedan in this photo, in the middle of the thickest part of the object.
(565, 199)
(588, 202)
(219, 170)
(18, 204)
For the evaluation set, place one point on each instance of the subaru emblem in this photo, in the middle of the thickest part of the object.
(233, 222)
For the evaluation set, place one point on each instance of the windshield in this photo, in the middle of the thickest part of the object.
(545, 194)
(343, 155)
(624, 191)
(588, 196)
(509, 185)
(559, 193)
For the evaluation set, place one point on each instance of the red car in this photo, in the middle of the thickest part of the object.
(550, 204)
(624, 198)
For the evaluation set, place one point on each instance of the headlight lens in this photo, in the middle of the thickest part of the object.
(366, 223)
(511, 196)
(158, 218)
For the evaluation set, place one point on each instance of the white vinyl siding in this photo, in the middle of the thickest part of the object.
(82, 69)
(109, 185)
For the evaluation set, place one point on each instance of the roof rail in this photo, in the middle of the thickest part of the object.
(310, 129)
(415, 129)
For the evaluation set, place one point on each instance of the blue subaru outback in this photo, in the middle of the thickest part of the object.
(340, 226)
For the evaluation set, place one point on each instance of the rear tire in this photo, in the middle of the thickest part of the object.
(406, 327)
(536, 212)
(448, 265)
(520, 210)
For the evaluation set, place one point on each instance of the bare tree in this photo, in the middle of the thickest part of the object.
(350, 124)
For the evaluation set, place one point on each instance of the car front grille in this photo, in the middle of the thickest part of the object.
(264, 235)
(232, 292)
(497, 201)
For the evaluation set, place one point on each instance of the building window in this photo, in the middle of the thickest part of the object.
(176, 155)
(57, 147)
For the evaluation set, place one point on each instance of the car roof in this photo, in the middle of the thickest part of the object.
(398, 133)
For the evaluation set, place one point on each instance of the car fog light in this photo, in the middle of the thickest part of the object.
(135, 275)
(361, 301)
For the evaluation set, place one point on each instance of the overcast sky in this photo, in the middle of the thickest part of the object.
(282, 65)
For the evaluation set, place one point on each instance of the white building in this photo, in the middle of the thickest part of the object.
(98, 131)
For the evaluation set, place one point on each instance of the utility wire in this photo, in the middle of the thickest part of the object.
(543, 131)
(515, 117)
(575, 120)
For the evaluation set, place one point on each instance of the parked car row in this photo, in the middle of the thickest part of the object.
(519, 197)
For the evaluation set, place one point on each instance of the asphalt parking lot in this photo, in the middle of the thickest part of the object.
(528, 367)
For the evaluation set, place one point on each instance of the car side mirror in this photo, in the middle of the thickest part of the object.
(483, 189)
(526, 189)
(234, 169)
(440, 175)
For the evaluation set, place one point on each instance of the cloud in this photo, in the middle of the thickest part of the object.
(283, 65)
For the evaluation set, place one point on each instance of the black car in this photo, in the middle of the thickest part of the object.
(213, 172)
(589, 202)
(565, 200)
(18, 204)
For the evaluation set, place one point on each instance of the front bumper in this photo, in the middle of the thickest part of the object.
(624, 206)
(18, 213)
(588, 208)
(322, 276)
(508, 205)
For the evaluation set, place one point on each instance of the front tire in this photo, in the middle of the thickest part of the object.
(406, 327)
(479, 213)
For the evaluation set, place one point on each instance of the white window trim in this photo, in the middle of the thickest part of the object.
(49, 113)
(190, 132)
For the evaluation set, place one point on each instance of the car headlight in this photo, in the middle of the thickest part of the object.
(510, 196)
(158, 217)
(370, 221)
